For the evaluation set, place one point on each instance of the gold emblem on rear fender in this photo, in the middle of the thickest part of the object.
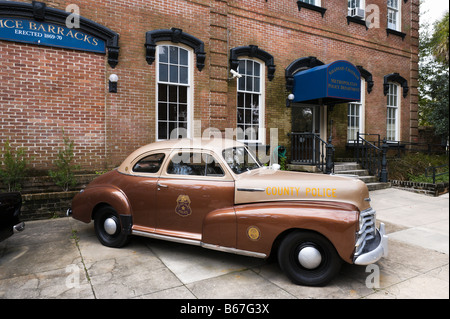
(253, 233)
(183, 206)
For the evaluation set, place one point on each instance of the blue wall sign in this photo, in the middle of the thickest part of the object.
(53, 35)
(338, 82)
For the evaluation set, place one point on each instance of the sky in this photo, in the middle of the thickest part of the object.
(432, 10)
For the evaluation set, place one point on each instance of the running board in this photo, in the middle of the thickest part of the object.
(199, 243)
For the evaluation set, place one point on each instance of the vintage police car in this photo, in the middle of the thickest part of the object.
(215, 194)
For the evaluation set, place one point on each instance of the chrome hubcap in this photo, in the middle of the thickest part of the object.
(110, 226)
(309, 257)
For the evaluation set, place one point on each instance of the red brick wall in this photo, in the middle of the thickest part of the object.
(44, 90)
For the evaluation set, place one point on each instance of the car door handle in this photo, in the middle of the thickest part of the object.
(161, 185)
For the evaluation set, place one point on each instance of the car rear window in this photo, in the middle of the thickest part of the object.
(149, 164)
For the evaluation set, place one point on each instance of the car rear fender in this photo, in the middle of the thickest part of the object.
(86, 202)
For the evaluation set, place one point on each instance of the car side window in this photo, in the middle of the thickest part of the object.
(197, 164)
(149, 164)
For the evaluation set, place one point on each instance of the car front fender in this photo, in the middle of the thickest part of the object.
(260, 225)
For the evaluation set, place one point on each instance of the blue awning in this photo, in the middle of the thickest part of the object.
(337, 82)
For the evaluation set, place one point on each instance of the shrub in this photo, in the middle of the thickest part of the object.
(14, 167)
(64, 174)
(412, 166)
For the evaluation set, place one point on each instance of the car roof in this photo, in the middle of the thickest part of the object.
(215, 145)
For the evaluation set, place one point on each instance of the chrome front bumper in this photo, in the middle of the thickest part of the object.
(377, 250)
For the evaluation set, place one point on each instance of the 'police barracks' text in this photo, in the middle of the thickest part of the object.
(296, 191)
(34, 29)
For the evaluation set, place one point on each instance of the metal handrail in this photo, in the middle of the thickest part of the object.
(310, 149)
(371, 134)
(371, 157)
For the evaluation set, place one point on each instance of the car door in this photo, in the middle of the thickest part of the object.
(140, 188)
(192, 184)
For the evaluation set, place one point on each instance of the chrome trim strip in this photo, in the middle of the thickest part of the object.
(234, 251)
(199, 243)
(168, 238)
(251, 190)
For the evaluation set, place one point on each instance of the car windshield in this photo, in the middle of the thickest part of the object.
(240, 159)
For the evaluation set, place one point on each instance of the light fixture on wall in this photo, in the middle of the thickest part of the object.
(113, 79)
(289, 100)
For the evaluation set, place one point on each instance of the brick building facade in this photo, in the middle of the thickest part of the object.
(173, 61)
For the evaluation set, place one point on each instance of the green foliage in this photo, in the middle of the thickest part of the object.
(411, 167)
(439, 41)
(64, 174)
(434, 77)
(429, 179)
(14, 167)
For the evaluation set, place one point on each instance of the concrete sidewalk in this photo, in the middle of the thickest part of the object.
(62, 258)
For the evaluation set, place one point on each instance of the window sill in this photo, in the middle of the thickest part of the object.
(395, 32)
(357, 21)
(305, 5)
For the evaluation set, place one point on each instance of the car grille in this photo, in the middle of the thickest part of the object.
(366, 236)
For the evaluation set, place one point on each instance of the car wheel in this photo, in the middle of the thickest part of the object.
(308, 258)
(108, 228)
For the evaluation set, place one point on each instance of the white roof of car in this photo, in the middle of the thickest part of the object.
(214, 144)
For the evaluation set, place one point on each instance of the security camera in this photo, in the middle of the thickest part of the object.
(235, 74)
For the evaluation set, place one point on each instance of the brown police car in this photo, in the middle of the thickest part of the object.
(215, 194)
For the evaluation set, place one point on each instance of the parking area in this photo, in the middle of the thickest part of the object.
(62, 259)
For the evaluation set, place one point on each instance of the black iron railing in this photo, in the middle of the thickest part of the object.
(433, 172)
(310, 149)
(372, 157)
(401, 147)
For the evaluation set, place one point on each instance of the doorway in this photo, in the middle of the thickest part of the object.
(305, 118)
(305, 136)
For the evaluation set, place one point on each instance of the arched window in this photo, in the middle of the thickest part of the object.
(250, 101)
(393, 113)
(174, 72)
(174, 52)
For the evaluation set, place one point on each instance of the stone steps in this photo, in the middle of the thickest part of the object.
(354, 169)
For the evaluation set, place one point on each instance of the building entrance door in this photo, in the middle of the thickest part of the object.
(305, 136)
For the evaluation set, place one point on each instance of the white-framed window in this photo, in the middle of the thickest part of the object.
(393, 14)
(354, 120)
(174, 73)
(250, 101)
(313, 2)
(393, 114)
(356, 8)
(356, 116)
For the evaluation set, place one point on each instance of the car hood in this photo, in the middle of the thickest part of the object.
(268, 185)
